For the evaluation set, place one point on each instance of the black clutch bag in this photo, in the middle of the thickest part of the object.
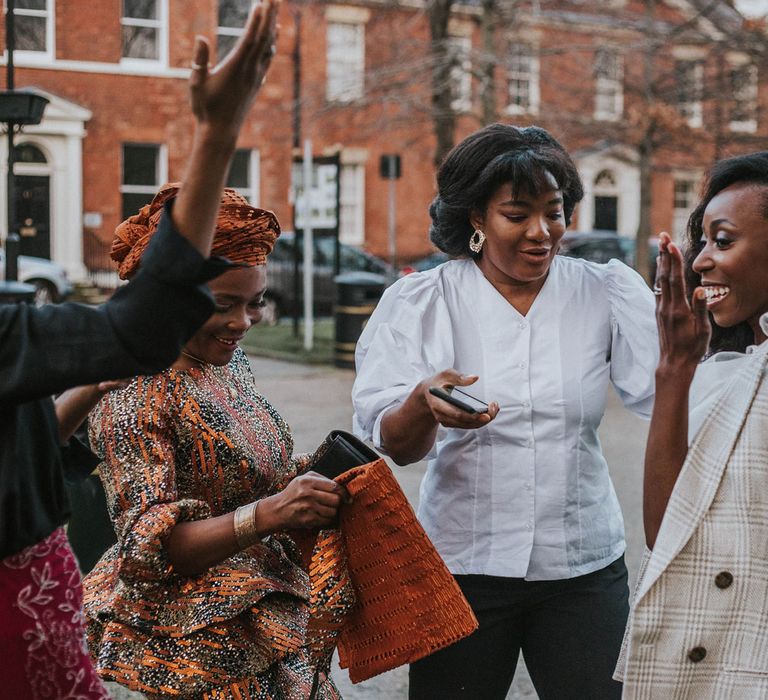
(339, 452)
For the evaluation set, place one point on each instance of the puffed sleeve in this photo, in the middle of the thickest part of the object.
(132, 430)
(407, 339)
(634, 337)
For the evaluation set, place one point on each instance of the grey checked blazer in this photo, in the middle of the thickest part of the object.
(699, 625)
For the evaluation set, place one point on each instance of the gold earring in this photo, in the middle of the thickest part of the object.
(476, 241)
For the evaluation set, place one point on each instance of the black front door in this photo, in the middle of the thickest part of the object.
(606, 214)
(33, 214)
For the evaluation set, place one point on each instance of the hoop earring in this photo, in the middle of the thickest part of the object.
(476, 241)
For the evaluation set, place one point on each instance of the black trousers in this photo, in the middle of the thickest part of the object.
(569, 631)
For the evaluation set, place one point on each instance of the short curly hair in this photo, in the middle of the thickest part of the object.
(491, 157)
(748, 169)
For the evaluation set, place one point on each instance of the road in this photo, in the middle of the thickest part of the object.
(315, 400)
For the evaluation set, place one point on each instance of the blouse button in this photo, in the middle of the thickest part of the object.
(697, 654)
(724, 579)
(523, 326)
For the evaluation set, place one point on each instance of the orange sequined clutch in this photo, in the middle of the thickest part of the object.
(409, 604)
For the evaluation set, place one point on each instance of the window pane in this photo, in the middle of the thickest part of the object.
(140, 9)
(239, 171)
(520, 59)
(233, 13)
(31, 4)
(140, 42)
(744, 81)
(345, 61)
(132, 202)
(27, 153)
(30, 33)
(225, 43)
(606, 65)
(685, 194)
(140, 165)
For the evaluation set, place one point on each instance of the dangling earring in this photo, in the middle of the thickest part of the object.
(476, 241)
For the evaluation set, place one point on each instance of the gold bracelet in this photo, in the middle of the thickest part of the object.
(246, 532)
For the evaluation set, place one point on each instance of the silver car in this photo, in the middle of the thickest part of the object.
(49, 278)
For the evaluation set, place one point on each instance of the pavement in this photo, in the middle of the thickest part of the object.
(315, 400)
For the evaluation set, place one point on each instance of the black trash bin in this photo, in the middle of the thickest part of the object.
(356, 296)
(14, 292)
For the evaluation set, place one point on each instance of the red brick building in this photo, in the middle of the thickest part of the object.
(605, 77)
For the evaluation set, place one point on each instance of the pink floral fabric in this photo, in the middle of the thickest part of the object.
(42, 635)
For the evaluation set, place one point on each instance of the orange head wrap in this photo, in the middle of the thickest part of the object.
(244, 234)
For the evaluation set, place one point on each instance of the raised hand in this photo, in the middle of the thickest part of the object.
(684, 329)
(448, 415)
(222, 97)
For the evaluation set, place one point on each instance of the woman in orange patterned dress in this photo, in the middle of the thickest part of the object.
(204, 595)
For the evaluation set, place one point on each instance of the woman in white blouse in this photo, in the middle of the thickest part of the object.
(700, 612)
(517, 500)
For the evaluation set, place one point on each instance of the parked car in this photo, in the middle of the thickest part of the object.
(280, 278)
(49, 278)
(425, 263)
(597, 246)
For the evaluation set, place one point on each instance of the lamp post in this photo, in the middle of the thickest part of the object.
(17, 108)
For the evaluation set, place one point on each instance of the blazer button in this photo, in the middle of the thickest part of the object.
(724, 579)
(697, 654)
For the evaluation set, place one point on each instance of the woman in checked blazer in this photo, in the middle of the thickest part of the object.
(699, 624)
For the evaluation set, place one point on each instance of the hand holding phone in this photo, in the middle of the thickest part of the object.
(461, 399)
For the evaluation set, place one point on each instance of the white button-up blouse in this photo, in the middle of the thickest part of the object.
(528, 495)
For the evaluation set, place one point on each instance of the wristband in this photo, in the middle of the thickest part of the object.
(246, 532)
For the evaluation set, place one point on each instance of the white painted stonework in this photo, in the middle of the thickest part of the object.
(60, 138)
(621, 161)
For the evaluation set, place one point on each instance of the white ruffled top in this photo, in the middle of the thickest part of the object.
(529, 495)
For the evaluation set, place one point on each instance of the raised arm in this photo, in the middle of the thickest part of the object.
(683, 338)
(221, 99)
(45, 351)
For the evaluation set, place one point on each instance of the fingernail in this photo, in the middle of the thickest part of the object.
(699, 293)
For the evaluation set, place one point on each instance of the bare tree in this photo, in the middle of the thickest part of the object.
(443, 116)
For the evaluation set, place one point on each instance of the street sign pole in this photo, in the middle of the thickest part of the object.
(392, 232)
(308, 247)
(389, 169)
(12, 238)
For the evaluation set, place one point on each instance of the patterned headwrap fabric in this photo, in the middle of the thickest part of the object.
(244, 234)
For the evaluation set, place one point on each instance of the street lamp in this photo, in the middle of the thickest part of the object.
(21, 107)
(17, 108)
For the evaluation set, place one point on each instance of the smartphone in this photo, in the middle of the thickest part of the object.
(460, 399)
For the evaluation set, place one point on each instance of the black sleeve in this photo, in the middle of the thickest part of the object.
(140, 330)
(78, 460)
